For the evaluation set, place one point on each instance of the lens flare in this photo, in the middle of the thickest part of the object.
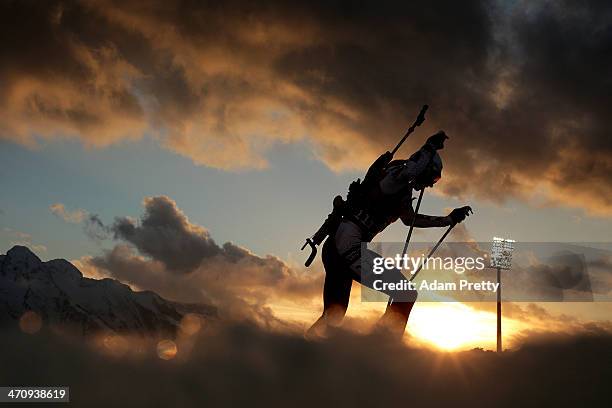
(191, 324)
(167, 349)
(115, 345)
(30, 322)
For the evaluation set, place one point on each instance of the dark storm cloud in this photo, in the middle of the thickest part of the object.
(522, 88)
(166, 253)
(523, 92)
(165, 234)
(245, 366)
(556, 127)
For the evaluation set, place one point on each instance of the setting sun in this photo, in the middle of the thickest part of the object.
(448, 326)
(454, 326)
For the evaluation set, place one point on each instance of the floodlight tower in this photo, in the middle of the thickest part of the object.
(501, 258)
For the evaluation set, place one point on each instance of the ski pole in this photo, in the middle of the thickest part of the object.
(416, 211)
(432, 251)
(390, 301)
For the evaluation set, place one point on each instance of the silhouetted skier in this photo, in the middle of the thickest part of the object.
(372, 205)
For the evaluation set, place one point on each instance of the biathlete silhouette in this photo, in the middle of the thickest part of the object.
(384, 196)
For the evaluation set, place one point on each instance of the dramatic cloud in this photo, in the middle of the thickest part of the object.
(166, 253)
(74, 217)
(522, 88)
(165, 234)
(59, 80)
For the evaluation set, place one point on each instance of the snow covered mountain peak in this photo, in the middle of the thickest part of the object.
(57, 291)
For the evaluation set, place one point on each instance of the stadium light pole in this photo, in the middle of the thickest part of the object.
(501, 258)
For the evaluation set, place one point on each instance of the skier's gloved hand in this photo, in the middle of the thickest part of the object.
(459, 214)
(436, 141)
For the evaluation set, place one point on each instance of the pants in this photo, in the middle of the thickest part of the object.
(343, 259)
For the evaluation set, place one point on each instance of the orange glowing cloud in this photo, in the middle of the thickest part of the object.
(222, 85)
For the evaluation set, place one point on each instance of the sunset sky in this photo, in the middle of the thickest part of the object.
(238, 123)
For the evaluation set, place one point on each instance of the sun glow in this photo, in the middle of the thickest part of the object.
(449, 326)
(454, 326)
